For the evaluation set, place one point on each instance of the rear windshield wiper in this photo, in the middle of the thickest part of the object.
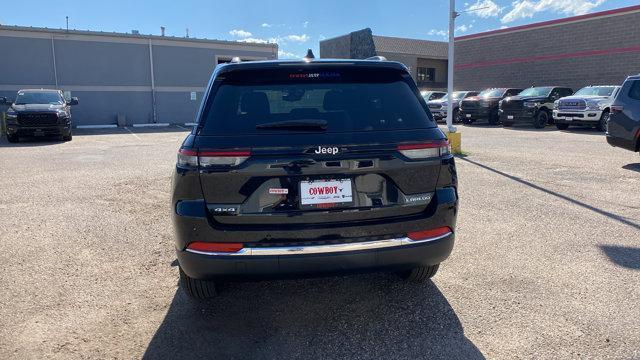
(310, 125)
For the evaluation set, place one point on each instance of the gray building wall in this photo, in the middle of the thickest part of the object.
(570, 53)
(111, 73)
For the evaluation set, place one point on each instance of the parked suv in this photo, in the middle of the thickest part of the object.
(432, 95)
(305, 167)
(485, 105)
(439, 107)
(589, 106)
(39, 113)
(533, 105)
(623, 127)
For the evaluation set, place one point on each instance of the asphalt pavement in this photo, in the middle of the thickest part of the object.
(546, 262)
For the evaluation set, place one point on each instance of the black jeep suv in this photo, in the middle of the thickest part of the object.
(39, 112)
(533, 105)
(485, 105)
(305, 167)
(623, 127)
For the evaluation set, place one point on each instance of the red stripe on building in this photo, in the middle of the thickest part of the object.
(552, 22)
(549, 57)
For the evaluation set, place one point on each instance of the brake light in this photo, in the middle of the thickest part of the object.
(193, 158)
(426, 149)
(215, 247)
(616, 109)
(427, 234)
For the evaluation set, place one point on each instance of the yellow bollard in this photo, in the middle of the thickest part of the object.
(455, 139)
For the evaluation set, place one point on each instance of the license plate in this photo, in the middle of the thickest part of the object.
(326, 192)
(510, 117)
(568, 118)
(469, 115)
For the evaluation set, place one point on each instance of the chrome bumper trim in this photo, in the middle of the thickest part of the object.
(323, 249)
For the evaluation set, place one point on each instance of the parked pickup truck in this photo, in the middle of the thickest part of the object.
(533, 105)
(589, 106)
(438, 107)
(485, 105)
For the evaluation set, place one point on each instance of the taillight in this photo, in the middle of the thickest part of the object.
(428, 234)
(426, 149)
(215, 247)
(616, 109)
(205, 158)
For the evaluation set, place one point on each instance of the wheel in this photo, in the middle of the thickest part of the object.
(604, 121)
(13, 138)
(541, 119)
(197, 289)
(562, 126)
(420, 273)
(494, 118)
(67, 137)
(467, 121)
(507, 123)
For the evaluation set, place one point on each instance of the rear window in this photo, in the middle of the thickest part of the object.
(351, 100)
(634, 92)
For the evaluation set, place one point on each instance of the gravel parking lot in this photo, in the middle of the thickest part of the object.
(546, 264)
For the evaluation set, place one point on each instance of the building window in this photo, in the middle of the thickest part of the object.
(426, 74)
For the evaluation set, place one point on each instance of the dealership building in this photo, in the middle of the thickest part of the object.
(426, 60)
(598, 48)
(141, 79)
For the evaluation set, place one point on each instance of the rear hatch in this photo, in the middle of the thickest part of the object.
(313, 144)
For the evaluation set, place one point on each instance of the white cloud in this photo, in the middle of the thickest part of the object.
(441, 33)
(266, 25)
(463, 28)
(240, 33)
(484, 9)
(297, 38)
(254, 40)
(287, 55)
(528, 8)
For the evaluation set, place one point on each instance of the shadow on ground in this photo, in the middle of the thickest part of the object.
(360, 316)
(623, 256)
(632, 167)
(613, 216)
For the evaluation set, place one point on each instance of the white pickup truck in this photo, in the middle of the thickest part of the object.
(589, 106)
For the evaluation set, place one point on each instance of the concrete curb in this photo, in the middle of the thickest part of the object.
(103, 126)
(151, 125)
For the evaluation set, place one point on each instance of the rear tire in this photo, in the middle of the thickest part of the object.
(604, 121)
(67, 137)
(541, 119)
(420, 273)
(197, 289)
(562, 126)
(456, 116)
(13, 138)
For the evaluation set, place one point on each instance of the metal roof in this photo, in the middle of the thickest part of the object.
(426, 48)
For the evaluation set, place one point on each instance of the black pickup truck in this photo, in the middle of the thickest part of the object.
(39, 112)
(485, 105)
(533, 105)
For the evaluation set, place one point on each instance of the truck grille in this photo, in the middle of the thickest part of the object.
(512, 105)
(470, 104)
(572, 105)
(37, 119)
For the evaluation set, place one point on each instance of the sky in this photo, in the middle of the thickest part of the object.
(295, 25)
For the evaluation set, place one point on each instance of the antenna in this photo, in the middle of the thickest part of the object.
(309, 55)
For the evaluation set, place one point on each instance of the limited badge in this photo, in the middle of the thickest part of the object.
(278, 191)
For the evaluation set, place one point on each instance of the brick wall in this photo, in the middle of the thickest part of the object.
(555, 55)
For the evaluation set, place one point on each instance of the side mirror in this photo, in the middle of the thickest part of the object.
(73, 101)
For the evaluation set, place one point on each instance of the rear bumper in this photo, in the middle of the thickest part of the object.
(401, 256)
(628, 144)
(521, 116)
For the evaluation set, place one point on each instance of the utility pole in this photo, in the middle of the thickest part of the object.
(450, 64)
(67, 22)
